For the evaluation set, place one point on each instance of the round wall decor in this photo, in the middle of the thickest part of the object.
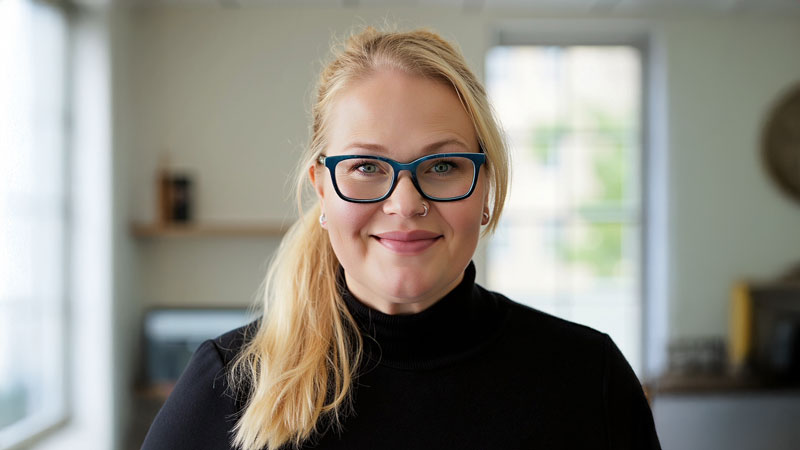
(781, 149)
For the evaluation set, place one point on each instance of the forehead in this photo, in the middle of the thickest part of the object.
(400, 116)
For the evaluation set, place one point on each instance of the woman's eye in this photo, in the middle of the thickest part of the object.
(367, 168)
(442, 167)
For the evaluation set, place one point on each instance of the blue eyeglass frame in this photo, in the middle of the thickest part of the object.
(478, 159)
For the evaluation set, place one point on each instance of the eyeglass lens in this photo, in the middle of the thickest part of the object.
(367, 178)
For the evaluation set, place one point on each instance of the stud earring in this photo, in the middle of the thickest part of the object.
(323, 220)
(485, 218)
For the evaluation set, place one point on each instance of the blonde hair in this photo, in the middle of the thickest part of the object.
(297, 370)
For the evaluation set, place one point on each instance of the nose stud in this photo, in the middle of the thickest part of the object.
(425, 209)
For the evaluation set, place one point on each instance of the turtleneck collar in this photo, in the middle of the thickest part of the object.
(456, 326)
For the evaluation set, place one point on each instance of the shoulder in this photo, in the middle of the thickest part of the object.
(580, 365)
(531, 338)
(230, 344)
(201, 410)
(531, 326)
(587, 364)
(535, 333)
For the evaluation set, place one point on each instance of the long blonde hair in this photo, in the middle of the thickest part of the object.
(297, 370)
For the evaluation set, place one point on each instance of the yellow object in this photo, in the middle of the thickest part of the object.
(740, 340)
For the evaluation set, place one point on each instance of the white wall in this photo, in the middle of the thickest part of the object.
(728, 219)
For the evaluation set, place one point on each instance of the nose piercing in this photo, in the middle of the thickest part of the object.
(425, 208)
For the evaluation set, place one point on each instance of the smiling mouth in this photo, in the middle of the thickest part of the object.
(407, 243)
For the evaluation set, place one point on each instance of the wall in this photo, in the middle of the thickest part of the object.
(728, 219)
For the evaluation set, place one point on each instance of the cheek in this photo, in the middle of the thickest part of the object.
(464, 219)
(347, 226)
(471, 214)
(346, 218)
(343, 217)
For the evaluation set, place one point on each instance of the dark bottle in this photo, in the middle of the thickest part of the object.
(181, 198)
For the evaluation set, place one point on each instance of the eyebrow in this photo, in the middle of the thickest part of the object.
(427, 149)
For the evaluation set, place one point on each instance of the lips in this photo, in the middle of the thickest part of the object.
(407, 242)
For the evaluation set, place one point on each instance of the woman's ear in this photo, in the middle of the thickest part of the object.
(316, 181)
(485, 216)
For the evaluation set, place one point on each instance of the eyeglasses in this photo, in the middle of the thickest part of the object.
(442, 177)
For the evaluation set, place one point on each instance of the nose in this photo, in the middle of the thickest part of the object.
(405, 200)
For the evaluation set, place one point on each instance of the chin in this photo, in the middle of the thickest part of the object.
(408, 284)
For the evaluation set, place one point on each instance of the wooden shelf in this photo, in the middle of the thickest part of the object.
(713, 384)
(158, 391)
(207, 230)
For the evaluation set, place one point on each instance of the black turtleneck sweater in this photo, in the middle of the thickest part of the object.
(473, 371)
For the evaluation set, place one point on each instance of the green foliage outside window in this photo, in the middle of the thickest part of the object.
(600, 248)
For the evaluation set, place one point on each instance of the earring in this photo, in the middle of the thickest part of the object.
(485, 218)
(323, 220)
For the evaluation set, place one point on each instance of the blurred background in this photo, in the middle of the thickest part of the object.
(146, 149)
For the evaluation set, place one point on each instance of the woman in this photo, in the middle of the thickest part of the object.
(374, 334)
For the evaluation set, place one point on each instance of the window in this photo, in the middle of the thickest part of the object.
(32, 218)
(569, 242)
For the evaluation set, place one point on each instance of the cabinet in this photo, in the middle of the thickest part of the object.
(722, 413)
